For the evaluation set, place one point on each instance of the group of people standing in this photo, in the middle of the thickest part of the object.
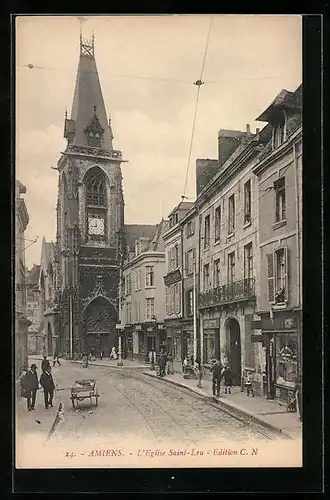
(30, 384)
(165, 362)
(218, 371)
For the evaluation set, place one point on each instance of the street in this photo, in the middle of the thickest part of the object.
(135, 413)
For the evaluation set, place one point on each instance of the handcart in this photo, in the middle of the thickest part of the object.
(84, 389)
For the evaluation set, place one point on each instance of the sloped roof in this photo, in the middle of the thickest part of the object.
(157, 243)
(88, 94)
(284, 99)
(135, 231)
(183, 205)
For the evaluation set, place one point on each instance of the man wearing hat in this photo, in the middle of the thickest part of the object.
(30, 386)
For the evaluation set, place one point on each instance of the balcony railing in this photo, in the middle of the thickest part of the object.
(231, 292)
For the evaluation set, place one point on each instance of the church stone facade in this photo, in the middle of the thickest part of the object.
(90, 239)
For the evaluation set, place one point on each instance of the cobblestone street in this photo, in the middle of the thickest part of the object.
(134, 412)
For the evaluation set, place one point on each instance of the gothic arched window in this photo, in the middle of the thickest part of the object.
(95, 188)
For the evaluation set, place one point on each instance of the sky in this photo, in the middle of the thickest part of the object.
(249, 60)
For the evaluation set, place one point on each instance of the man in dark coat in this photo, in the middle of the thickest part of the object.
(30, 385)
(162, 363)
(47, 382)
(216, 377)
(45, 365)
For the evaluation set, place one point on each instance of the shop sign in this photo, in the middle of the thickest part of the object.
(256, 325)
(211, 323)
(138, 327)
(287, 354)
(257, 338)
(279, 323)
(172, 277)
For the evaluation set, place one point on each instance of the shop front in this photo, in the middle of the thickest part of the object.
(283, 361)
(175, 342)
(211, 340)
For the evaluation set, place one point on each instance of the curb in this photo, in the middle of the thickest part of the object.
(93, 363)
(227, 405)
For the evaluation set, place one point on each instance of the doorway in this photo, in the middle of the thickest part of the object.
(234, 341)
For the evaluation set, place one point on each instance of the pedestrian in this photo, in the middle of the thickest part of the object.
(249, 385)
(47, 383)
(45, 365)
(113, 354)
(152, 358)
(170, 366)
(85, 360)
(101, 355)
(56, 360)
(29, 386)
(185, 364)
(216, 377)
(228, 379)
(199, 372)
(162, 363)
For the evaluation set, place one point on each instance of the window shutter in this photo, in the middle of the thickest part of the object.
(270, 277)
(286, 263)
(186, 263)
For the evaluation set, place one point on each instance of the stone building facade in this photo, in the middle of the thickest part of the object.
(143, 305)
(178, 344)
(189, 226)
(90, 241)
(279, 177)
(49, 313)
(35, 339)
(229, 260)
(21, 320)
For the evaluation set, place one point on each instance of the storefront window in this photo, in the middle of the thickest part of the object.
(177, 348)
(286, 359)
(208, 348)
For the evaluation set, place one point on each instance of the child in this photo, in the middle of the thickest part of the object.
(249, 385)
(228, 379)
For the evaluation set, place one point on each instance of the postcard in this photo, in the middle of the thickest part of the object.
(158, 241)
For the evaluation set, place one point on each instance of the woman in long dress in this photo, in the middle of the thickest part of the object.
(113, 354)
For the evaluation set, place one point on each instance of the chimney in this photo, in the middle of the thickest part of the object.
(248, 131)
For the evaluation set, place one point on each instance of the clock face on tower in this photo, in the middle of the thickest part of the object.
(96, 226)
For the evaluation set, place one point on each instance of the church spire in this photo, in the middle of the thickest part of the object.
(87, 99)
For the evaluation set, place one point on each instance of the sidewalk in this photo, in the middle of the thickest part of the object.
(109, 363)
(270, 413)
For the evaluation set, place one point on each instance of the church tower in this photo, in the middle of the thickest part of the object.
(90, 218)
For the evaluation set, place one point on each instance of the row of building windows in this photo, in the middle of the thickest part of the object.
(231, 269)
(280, 215)
(149, 311)
(173, 299)
(149, 279)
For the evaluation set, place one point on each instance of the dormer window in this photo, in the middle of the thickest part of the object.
(279, 131)
(94, 132)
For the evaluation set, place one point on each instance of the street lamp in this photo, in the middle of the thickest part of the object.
(120, 328)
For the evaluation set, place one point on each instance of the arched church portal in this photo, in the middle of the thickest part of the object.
(100, 320)
(233, 332)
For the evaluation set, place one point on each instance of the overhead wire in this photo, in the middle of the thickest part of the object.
(198, 83)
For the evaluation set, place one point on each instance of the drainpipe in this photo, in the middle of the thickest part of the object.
(200, 315)
(298, 284)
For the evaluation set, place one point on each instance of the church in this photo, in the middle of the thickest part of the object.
(91, 237)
